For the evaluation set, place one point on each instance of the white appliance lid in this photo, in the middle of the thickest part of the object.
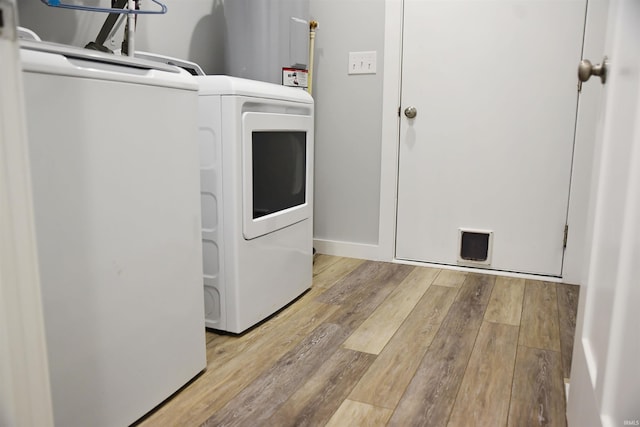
(94, 55)
(64, 60)
(227, 85)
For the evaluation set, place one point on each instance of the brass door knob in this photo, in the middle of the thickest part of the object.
(586, 70)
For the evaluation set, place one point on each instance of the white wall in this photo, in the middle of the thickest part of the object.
(58, 25)
(264, 36)
(191, 29)
(348, 125)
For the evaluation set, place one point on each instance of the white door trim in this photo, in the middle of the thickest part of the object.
(25, 398)
(575, 256)
(391, 85)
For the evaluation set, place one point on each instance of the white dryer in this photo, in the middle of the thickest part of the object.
(256, 151)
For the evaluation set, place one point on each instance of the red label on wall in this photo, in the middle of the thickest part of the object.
(295, 77)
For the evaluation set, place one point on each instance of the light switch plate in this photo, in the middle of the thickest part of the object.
(362, 62)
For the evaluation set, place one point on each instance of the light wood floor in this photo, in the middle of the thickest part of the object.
(381, 344)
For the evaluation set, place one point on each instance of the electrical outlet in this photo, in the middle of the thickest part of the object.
(362, 62)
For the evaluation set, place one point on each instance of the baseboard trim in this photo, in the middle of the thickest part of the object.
(482, 271)
(347, 249)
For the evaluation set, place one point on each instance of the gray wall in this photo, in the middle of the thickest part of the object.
(348, 121)
(348, 108)
(192, 29)
(57, 25)
(262, 36)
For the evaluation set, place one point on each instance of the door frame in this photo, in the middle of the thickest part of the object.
(392, 83)
(390, 147)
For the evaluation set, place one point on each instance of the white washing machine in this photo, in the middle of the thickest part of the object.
(114, 171)
(256, 175)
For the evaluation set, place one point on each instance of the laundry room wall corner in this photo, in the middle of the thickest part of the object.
(348, 128)
(191, 29)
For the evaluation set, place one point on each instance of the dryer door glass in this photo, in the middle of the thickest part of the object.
(279, 171)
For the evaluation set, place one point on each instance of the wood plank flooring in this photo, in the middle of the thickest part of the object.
(382, 344)
(567, 312)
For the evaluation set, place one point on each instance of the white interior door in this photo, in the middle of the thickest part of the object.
(605, 377)
(490, 148)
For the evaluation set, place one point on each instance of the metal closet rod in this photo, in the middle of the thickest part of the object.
(57, 3)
